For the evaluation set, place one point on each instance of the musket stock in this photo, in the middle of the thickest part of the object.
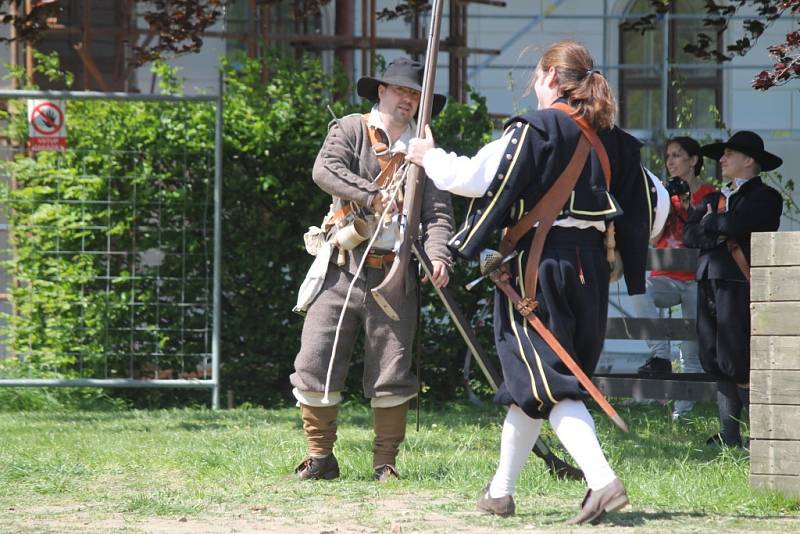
(391, 290)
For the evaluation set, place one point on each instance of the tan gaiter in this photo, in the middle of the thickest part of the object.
(390, 431)
(319, 424)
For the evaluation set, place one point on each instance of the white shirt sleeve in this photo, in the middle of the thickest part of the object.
(462, 175)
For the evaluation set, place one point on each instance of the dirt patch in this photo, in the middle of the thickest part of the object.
(397, 513)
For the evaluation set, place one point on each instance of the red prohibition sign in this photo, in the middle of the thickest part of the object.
(47, 118)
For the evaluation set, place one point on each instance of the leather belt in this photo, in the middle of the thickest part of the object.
(379, 261)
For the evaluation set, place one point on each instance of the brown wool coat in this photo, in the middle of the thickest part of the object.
(346, 167)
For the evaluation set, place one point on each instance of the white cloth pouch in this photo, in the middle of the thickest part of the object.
(315, 277)
(314, 239)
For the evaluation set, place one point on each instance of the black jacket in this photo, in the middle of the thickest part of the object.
(541, 146)
(754, 207)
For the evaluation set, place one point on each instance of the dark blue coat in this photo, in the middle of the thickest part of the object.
(572, 292)
(754, 207)
(541, 146)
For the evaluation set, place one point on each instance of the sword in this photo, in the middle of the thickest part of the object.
(491, 261)
(556, 465)
(478, 280)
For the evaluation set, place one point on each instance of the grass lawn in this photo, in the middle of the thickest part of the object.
(230, 471)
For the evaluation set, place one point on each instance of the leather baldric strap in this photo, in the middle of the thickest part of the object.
(544, 213)
(340, 214)
(389, 163)
(733, 247)
(590, 134)
(550, 205)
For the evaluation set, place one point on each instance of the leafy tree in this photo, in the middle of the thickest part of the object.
(178, 23)
(406, 9)
(786, 54)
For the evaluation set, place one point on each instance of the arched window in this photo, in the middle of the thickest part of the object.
(690, 91)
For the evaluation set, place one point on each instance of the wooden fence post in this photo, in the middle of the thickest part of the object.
(775, 362)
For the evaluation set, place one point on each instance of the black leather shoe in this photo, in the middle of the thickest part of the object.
(311, 468)
(655, 366)
(716, 442)
(502, 506)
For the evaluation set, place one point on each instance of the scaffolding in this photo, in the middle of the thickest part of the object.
(113, 28)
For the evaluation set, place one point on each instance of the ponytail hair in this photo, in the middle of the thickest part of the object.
(585, 89)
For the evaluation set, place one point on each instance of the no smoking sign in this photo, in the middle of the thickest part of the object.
(47, 129)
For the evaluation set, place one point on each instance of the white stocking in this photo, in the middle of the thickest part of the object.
(519, 434)
(575, 428)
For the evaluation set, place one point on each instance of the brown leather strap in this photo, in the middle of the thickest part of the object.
(377, 143)
(389, 163)
(343, 212)
(545, 212)
(519, 303)
(587, 130)
(551, 201)
(387, 172)
(379, 261)
(733, 247)
(550, 205)
(738, 257)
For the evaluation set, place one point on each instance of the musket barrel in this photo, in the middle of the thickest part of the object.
(393, 285)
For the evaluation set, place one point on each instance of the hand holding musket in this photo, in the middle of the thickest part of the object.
(393, 285)
(493, 266)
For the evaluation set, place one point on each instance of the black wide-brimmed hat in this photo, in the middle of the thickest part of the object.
(748, 143)
(403, 72)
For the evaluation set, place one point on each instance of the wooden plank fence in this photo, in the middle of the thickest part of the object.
(688, 386)
(774, 354)
(775, 362)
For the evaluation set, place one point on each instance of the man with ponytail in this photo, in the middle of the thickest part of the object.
(506, 179)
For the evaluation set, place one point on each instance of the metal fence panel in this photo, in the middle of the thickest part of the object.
(142, 255)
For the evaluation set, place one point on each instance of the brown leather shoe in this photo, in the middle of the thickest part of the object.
(502, 506)
(385, 473)
(311, 468)
(596, 504)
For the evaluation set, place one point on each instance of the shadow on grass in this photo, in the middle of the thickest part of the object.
(634, 518)
(615, 519)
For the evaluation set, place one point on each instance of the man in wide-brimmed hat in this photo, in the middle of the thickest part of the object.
(721, 229)
(359, 152)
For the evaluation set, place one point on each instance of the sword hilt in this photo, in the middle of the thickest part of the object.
(490, 261)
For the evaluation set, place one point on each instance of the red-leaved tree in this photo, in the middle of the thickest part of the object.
(785, 55)
(179, 24)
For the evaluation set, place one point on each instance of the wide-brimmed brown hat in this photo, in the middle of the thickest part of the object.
(748, 143)
(403, 72)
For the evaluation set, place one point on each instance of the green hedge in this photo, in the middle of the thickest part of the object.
(71, 318)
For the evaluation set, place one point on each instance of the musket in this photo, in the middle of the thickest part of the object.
(391, 291)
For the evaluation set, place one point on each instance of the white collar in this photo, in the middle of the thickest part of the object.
(733, 187)
(397, 145)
